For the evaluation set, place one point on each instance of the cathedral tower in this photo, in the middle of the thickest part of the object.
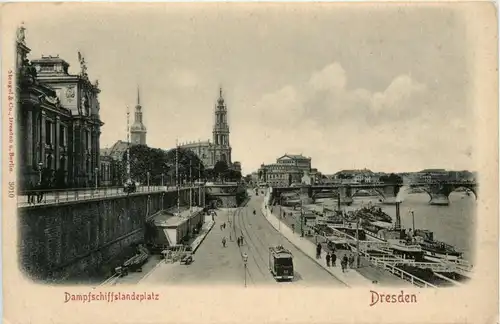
(222, 149)
(138, 130)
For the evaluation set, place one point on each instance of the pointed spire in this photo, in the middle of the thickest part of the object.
(220, 101)
(138, 97)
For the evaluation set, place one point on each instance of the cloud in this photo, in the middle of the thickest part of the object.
(325, 97)
(400, 128)
(184, 78)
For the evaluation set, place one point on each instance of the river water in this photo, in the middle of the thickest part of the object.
(454, 224)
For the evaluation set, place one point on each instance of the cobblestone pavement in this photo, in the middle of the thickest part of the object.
(214, 264)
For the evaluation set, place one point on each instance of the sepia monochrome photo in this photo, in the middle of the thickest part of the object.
(315, 153)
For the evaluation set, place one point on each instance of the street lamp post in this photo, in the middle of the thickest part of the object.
(147, 175)
(357, 240)
(413, 220)
(40, 166)
(245, 259)
(95, 174)
(301, 219)
(190, 187)
(162, 176)
(279, 218)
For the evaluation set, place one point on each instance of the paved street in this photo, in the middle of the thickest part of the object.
(214, 264)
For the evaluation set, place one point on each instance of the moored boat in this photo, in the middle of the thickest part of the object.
(435, 250)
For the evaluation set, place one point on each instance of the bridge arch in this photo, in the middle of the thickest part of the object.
(376, 190)
(428, 191)
(331, 193)
(467, 188)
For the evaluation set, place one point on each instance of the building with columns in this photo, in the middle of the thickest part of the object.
(138, 130)
(219, 149)
(288, 169)
(58, 122)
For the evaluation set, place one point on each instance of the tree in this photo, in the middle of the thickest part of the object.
(220, 169)
(208, 174)
(391, 179)
(144, 159)
(190, 166)
(345, 176)
(233, 175)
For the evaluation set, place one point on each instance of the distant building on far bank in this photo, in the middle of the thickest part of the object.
(287, 170)
(357, 176)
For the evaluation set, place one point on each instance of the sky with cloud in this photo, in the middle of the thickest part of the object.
(383, 87)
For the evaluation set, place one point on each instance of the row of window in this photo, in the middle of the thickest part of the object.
(49, 163)
(50, 129)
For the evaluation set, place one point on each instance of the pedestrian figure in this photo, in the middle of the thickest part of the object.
(318, 251)
(31, 194)
(344, 262)
(238, 241)
(351, 261)
(224, 242)
(334, 259)
(39, 193)
(328, 259)
(241, 240)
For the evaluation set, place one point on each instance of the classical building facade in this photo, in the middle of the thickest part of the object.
(138, 130)
(287, 170)
(58, 122)
(112, 168)
(204, 150)
(219, 149)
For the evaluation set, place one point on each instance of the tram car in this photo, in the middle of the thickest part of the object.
(281, 263)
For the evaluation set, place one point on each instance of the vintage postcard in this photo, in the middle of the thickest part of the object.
(250, 162)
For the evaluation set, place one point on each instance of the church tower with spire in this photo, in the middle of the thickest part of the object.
(221, 149)
(138, 130)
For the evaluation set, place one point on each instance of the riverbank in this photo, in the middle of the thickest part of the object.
(364, 275)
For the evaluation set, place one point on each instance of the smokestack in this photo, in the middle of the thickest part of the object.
(398, 216)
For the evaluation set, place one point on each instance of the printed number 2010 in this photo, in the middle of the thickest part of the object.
(12, 190)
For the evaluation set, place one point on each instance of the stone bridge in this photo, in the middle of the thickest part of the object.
(439, 192)
(386, 192)
(228, 195)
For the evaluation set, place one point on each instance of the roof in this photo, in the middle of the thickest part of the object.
(195, 144)
(138, 126)
(363, 171)
(295, 157)
(432, 170)
(105, 151)
(170, 218)
(116, 151)
(382, 224)
(280, 252)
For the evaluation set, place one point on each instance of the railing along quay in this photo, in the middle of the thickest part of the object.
(48, 197)
(389, 263)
